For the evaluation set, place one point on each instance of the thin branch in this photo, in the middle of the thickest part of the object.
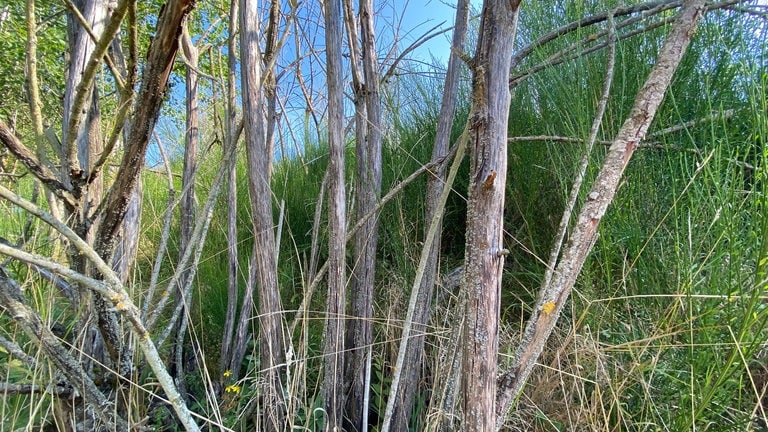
(121, 85)
(430, 34)
(303, 308)
(15, 350)
(584, 165)
(426, 249)
(45, 175)
(111, 289)
(19, 389)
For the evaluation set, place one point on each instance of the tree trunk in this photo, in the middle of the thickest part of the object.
(359, 334)
(230, 141)
(188, 203)
(333, 368)
(271, 330)
(552, 299)
(412, 375)
(484, 259)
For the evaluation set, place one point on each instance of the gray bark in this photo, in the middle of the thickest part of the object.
(484, 257)
(407, 394)
(359, 335)
(271, 329)
(230, 142)
(333, 351)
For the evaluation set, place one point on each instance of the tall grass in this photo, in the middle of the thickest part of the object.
(667, 323)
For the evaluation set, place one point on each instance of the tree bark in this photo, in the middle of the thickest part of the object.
(160, 58)
(552, 299)
(230, 142)
(413, 358)
(271, 329)
(333, 368)
(359, 335)
(484, 257)
(188, 202)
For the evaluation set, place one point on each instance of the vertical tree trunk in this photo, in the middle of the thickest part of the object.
(81, 146)
(333, 370)
(271, 329)
(552, 299)
(368, 185)
(485, 251)
(230, 141)
(188, 205)
(412, 375)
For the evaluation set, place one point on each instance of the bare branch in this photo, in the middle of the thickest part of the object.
(12, 300)
(552, 300)
(25, 156)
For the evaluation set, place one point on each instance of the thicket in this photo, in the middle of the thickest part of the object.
(666, 328)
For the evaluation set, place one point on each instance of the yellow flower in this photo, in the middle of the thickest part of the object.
(232, 389)
(227, 373)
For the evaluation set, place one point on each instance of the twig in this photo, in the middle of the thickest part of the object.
(584, 165)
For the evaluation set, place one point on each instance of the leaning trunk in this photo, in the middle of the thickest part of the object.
(412, 375)
(553, 297)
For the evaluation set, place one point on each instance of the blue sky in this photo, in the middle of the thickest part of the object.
(419, 17)
(404, 20)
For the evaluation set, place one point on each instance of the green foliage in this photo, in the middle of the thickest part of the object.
(52, 42)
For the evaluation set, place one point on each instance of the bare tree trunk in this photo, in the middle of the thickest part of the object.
(553, 297)
(272, 332)
(80, 146)
(359, 334)
(412, 375)
(128, 242)
(484, 260)
(188, 204)
(333, 368)
(230, 141)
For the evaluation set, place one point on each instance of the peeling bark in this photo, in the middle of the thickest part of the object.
(271, 329)
(484, 257)
(333, 351)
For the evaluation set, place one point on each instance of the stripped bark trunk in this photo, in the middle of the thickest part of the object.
(187, 205)
(333, 368)
(230, 141)
(407, 394)
(359, 335)
(484, 259)
(553, 297)
(271, 329)
(244, 324)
